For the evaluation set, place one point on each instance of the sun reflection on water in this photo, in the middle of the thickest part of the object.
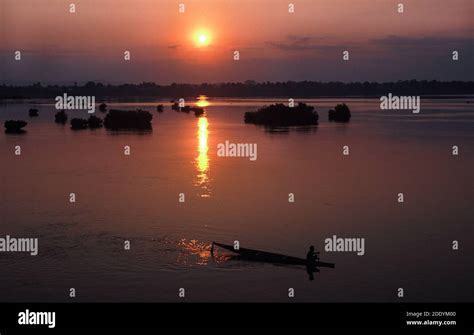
(194, 252)
(202, 101)
(202, 160)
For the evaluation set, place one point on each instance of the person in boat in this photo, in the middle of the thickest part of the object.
(311, 259)
(311, 256)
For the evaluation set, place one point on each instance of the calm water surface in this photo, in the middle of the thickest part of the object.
(135, 198)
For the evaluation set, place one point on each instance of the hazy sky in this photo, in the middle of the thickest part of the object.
(274, 45)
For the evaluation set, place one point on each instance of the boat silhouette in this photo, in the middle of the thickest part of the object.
(269, 257)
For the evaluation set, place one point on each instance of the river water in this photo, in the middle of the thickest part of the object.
(135, 198)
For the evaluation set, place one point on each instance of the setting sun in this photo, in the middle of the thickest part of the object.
(202, 38)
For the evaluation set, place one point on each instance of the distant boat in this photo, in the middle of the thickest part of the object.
(269, 257)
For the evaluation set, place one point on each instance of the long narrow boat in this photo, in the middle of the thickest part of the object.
(269, 257)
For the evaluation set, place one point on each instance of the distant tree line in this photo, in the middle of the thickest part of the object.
(301, 89)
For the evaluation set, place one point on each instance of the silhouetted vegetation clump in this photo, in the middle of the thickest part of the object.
(340, 113)
(94, 122)
(198, 111)
(15, 126)
(60, 117)
(175, 106)
(187, 109)
(280, 115)
(33, 112)
(128, 120)
(78, 124)
(160, 108)
(103, 107)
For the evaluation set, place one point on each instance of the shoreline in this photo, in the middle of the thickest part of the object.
(118, 99)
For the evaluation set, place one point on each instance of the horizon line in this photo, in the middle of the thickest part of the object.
(248, 82)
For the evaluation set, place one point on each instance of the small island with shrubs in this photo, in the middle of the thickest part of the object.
(116, 120)
(128, 120)
(340, 113)
(95, 122)
(15, 126)
(280, 115)
(198, 111)
(60, 117)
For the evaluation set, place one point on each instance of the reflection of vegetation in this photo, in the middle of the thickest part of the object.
(286, 130)
(15, 127)
(341, 113)
(94, 122)
(128, 120)
(33, 112)
(77, 124)
(60, 117)
(280, 115)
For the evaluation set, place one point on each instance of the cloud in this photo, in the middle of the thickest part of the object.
(307, 43)
(422, 42)
(174, 46)
(295, 42)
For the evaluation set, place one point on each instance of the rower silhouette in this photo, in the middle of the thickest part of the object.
(311, 255)
(311, 259)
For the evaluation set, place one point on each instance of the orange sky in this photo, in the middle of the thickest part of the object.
(160, 37)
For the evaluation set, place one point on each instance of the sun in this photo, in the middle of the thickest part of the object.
(202, 38)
